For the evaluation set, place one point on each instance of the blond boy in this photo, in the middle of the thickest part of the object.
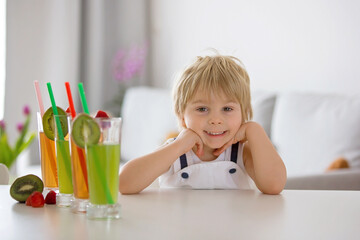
(218, 147)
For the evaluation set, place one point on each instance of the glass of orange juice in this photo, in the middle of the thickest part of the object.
(79, 177)
(48, 158)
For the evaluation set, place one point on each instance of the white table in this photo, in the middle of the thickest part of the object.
(195, 214)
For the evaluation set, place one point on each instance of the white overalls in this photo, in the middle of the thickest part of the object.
(225, 172)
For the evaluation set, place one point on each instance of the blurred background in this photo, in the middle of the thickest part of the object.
(115, 44)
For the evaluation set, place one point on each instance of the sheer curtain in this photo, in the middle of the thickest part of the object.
(69, 40)
(2, 55)
(107, 27)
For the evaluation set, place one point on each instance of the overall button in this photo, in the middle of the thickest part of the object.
(233, 170)
(185, 175)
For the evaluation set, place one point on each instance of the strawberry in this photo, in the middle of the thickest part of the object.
(68, 111)
(50, 197)
(101, 114)
(37, 199)
(28, 201)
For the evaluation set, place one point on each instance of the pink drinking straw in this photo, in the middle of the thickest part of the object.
(38, 97)
(73, 115)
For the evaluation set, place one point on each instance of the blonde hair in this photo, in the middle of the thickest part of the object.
(211, 74)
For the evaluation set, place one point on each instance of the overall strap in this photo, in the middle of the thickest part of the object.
(183, 161)
(234, 152)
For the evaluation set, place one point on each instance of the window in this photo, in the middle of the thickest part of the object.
(2, 56)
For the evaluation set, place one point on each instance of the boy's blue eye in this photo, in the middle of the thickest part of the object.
(227, 109)
(202, 109)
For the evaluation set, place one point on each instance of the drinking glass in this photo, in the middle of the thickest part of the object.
(48, 158)
(103, 159)
(79, 177)
(65, 195)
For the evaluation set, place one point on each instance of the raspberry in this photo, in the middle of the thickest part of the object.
(50, 198)
(28, 201)
(37, 199)
(101, 114)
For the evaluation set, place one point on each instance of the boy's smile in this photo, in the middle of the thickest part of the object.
(215, 133)
(214, 117)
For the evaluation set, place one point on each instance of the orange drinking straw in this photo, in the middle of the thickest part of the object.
(73, 115)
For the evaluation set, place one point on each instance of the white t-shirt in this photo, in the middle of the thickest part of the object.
(227, 171)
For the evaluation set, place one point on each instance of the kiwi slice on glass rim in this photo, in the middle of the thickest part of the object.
(85, 130)
(49, 125)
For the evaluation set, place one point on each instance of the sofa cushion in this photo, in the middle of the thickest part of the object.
(311, 130)
(343, 179)
(148, 117)
(263, 107)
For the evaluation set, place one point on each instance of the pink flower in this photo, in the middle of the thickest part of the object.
(20, 126)
(2, 124)
(128, 63)
(26, 110)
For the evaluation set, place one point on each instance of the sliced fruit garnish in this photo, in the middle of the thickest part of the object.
(85, 130)
(68, 111)
(101, 114)
(50, 197)
(49, 125)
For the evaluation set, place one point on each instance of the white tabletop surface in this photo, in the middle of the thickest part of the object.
(194, 214)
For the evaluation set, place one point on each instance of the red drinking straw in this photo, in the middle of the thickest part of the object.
(73, 115)
(71, 103)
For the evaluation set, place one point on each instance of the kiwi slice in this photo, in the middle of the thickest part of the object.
(85, 130)
(24, 186)
(48, 123)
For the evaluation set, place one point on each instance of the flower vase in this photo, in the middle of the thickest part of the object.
(4, 174)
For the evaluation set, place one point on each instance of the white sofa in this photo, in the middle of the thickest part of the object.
(309, 131)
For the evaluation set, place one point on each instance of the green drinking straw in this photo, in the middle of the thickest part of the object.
(101, 174)
(83, 98)
(58, 124)
(53, 104)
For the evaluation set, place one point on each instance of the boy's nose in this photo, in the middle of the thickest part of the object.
(215, 121)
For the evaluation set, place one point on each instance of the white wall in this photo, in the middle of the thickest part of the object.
(46, 41)
(285, 45)
(42, 45)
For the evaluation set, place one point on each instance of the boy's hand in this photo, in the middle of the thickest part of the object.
(189, 139)
(240, 136)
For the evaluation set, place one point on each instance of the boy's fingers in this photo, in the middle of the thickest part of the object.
(219, 151)
(199, 151)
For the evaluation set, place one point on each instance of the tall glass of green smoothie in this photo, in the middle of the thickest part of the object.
(65, 195)
(101, 139)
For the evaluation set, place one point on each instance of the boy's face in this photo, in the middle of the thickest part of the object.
(214, 117)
